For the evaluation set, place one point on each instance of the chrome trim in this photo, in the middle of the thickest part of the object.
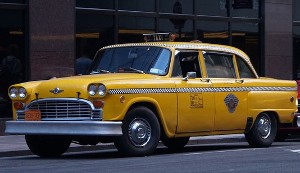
(139, 132)
(100, 128)
(298, 119)
(197, 89)
(61, 109)
(56, 90)
(264, 126)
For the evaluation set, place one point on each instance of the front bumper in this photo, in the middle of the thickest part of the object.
(90, 128)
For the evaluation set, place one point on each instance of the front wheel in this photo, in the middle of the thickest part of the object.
(47, 146)
(263, 132)
(141, 133)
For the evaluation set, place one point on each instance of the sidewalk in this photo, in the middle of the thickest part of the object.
(15, 145)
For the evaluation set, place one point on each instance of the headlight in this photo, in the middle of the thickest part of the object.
(22, 93)
(13, 92)
(92, 90)
(101, 90)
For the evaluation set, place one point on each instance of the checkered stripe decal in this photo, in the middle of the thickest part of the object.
(197, 90)
(142, 90)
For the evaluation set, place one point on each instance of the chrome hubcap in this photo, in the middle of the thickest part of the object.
(264, 126)
(139, 132)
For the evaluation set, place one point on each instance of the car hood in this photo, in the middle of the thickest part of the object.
(76, 86)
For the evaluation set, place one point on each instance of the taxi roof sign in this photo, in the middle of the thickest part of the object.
(159, 37)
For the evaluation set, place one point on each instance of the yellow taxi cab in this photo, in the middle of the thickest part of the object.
(140, 93)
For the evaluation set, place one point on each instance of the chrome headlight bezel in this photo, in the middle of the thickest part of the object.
(101, 90)
(97, 90)
(92, 89)
(22, 93)
(13, 92)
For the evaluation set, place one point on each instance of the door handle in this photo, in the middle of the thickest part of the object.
(239, 80)
(205, 80)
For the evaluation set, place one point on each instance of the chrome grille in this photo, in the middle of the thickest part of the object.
(63, 109)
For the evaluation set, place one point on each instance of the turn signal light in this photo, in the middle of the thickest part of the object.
(18, 105)
(98, 103)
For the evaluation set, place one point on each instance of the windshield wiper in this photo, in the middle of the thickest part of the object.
(99, 71)
(131, 69)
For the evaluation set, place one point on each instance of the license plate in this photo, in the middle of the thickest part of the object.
(33, 115)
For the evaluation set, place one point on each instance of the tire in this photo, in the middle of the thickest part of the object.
(175, 143)
(141, 133)
(263, 132)
(47, 146)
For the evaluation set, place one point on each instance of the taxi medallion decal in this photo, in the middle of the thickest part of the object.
(231, 101)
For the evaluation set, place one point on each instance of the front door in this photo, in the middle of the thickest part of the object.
(195, 101)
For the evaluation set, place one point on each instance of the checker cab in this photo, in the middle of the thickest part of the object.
(139, 94)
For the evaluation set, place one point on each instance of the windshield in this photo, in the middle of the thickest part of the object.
(138, 59)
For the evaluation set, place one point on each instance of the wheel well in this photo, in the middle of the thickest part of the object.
(145, 104)
(272, 114)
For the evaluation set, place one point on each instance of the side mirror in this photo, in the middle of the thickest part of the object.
(190, 75)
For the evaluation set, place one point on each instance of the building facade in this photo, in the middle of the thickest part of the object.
(48, 36)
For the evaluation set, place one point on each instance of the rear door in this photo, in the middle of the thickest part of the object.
(230, 97)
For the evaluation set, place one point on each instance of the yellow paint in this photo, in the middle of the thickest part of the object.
(180, 113)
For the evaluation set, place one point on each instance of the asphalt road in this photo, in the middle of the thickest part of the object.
(226, 157)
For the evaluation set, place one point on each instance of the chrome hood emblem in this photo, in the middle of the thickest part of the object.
(56, 91)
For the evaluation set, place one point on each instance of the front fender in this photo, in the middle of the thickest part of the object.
(115, 110)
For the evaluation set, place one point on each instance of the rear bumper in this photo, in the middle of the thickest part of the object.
(98, 128)
(294, 128)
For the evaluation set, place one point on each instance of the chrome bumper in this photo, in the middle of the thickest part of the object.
(297, 119)
(99, 128)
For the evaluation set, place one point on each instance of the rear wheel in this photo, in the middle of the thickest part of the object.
(263, 132)
(47, 146)
(141, 132)
(175, 143)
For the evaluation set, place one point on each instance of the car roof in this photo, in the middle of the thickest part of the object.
(187, 45)
(192, 46)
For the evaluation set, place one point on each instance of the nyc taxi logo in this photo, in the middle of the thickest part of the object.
(231, 101)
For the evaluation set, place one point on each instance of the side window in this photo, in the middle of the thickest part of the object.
(219, 65)
(244, 69)
(186, 61)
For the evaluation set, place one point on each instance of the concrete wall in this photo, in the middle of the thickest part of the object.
(51, 38)
(279, 39)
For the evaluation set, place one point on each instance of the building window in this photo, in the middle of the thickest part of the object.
(213, 32)
(13, 61)
(137, 5)
(245, 8)
(131, 29)
(229, 22)
(296, 52)
(211, 7)
(103, 4)
(246, 37)
(93, 31)
(176, 6)
(296, 39)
